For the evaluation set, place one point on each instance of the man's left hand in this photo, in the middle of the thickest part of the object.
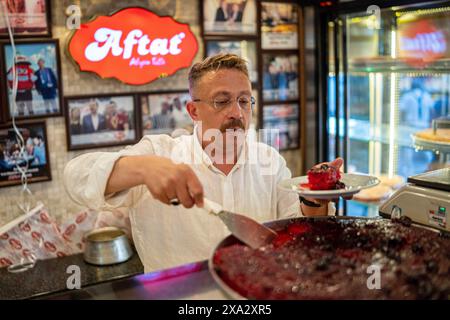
(323, 209)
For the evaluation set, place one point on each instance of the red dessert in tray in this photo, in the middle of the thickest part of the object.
(333, 259)
(323, 177)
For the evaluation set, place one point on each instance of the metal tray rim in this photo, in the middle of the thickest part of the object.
(274, 224)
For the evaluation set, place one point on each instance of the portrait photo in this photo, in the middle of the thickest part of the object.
(281, 126)
(243, 48)
(27, 18)
(279, 25)
(166, 113)
(280, 77)
(229, 17)
(101, 121)
(37, 68)
(32, 157)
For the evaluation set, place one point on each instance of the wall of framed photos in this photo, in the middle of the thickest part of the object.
(55, 116)
(267, 34)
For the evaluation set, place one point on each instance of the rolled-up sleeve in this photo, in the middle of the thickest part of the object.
(86, 176)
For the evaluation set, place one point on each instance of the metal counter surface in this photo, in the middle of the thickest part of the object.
(191, 282)
(50, 276)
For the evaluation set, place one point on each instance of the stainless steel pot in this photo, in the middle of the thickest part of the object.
(107, 246)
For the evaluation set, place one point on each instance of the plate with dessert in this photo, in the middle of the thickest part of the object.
(327, 182)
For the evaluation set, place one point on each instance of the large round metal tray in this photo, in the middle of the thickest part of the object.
(275, 225)
(436, 147)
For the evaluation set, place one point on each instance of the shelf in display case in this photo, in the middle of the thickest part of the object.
(388, 64)
(436, 147)
(436, 138)
(363, 130)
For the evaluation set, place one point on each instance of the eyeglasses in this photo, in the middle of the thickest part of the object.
(244, 102)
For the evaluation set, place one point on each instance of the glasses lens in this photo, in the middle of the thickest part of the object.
(244, 102)
(221, 103)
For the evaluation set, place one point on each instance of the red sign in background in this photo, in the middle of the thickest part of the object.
(424, 40)
(133, 45)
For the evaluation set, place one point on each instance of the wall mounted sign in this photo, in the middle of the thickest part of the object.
(133, 45)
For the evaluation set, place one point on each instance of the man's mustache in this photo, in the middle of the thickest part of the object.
(235, 123)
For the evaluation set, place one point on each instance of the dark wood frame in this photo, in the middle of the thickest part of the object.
(301, 86)
(259, 85)
(227, 34)
(4, 87)
(139, 95)
(281, 53)
(47, 165)
(48, 13)
(290, 102)
(4, 106)
(298, 23)
(137, 127)
(242, 38)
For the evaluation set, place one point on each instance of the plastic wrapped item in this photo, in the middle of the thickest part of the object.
(74, 229)
(36, 236)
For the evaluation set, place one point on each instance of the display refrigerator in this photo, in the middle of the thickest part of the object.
(384, 102)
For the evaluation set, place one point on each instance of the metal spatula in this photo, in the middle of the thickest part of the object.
(249, 231)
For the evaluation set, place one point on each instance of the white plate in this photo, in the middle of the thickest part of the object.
(353, 184)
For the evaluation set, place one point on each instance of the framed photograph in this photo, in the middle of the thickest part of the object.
(280, 77)
(243, 48)
(229, 17)
(279, 25)
(280, 123)
(101, 121)
(38, 72)
(28, 18)
(166, 112)
(34, 159)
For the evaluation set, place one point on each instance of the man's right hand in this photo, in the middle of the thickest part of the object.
(167, 180)
(164, 179)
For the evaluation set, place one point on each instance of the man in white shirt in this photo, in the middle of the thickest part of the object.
(218, 161)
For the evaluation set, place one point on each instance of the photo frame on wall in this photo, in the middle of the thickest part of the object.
(101, 121)
(280, 77)
(279, 25)
(30, 18)
(165, 113)
(243, 48)
(281, 124)
(229, 17)
(35, 158)
(38, 68)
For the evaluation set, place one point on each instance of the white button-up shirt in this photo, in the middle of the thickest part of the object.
(166, 236)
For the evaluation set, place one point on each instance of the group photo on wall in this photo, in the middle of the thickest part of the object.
(33, 159)
(165, 113)
(37, 69)
(100, 121)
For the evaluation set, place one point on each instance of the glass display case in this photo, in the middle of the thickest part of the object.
(388, 83)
